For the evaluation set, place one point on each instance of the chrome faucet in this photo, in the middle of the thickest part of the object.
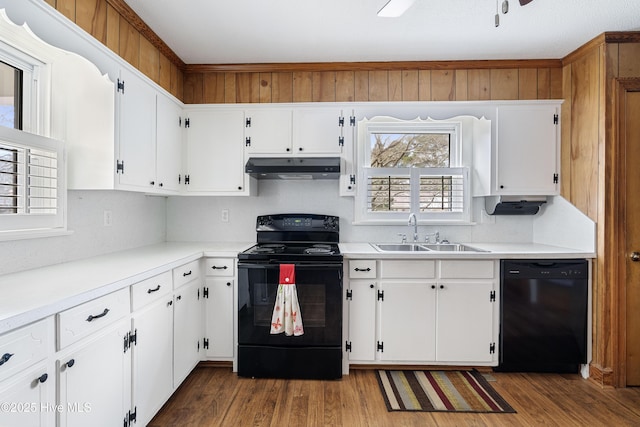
(414, 221)
(436, 237)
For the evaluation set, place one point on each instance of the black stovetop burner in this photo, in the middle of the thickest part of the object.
(295, 237)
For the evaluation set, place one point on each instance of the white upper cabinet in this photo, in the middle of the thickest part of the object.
(319, 131)
(524, 156)
(215, 152)
(169, 127)
(135, 124)
(268, 131)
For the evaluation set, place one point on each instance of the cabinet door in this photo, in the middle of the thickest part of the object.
(136, 131)
(407, 321)
(95, 380)
(465, 322)
(268, 131)
(219, 318)
(168, 144)
(319, 131)
(362, 320)
(527, 150)
(215, 151)
(29, 398)
(152, 358)
(187, 326)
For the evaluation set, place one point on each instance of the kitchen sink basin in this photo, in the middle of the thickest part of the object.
(452, 247)
(423, 247)
(400, 247)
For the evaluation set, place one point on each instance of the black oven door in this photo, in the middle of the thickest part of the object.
(319, 289)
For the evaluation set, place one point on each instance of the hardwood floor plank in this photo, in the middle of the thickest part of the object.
(213, 396)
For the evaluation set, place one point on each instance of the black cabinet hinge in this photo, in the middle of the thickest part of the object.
(352, 121)
(187, 122)
(179, 179)
(555, 119)
(187, 179)
(555, 178)
(247, 141)
(133, 338)
(126, 342)
(341, 121)
(120, 86)
(205, 292)
(130, 417)
(205, 343)
(352, 179)
(341, 141)
(347, 346)
(247, 122)
(380, 346)
(349, 294)
(492, 296)
(119, 166)
(380, 295)
(492, 348)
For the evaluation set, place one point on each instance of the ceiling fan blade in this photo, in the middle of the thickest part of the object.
(395, 8)
(523, 2)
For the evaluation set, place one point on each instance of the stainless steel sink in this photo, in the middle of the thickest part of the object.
(452, 247)
(400, 247)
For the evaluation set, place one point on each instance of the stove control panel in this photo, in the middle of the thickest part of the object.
(298, 222)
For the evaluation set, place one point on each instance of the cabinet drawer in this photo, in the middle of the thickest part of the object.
(465, 269)
(142, 293)
(407, 269)
(362, 269)
(186, 273)
(85, 319)
(25, 346)
(220, 266)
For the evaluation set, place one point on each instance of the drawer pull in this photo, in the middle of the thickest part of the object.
(42, 378)
(70, 363)
(97, 316)
(186, 274)
(5, 358)
(156, 289)
(362, 269)
(215, 267)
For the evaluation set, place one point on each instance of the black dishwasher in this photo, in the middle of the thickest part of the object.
(543, 315)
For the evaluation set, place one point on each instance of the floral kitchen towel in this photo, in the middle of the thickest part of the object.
(286, 311)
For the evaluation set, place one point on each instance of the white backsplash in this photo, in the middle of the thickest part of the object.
(199, 218)
(137, 220)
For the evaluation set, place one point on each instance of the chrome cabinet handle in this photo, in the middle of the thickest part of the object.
(97, 316)
(5, 358)
(635, 256)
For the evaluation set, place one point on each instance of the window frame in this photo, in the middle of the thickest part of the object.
(458, 165)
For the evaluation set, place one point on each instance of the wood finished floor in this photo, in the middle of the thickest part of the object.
(213, 396)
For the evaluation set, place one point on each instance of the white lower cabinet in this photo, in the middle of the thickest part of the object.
(28, 398)
(152, 326)
(94, 379)
(423, 311)
(188, 331)
(219, 318)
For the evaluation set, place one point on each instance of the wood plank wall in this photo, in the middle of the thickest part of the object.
(589, 132)
(114, 24)
(368, 82)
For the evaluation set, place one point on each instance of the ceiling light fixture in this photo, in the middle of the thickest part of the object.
(395, 8)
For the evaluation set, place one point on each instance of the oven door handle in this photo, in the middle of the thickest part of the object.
(298, 266)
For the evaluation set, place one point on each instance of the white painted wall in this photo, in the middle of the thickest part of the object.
(137, 220)
(199, 218)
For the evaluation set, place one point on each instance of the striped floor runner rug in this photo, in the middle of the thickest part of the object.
(441, 391)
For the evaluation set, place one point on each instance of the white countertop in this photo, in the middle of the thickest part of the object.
(494, 250)
(32, 295)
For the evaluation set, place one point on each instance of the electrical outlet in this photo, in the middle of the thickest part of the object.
(108, 218)
(224, 216)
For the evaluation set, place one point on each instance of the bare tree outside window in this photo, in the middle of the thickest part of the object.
(392, 193)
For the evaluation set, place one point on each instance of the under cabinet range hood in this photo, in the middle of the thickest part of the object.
(513, 205)
(293, 167)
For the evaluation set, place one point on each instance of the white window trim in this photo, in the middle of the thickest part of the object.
(462, 132)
